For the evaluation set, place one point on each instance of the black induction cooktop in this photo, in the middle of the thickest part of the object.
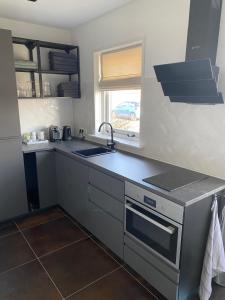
(175, 179)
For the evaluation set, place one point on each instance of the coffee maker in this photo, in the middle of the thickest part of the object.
(55, 133)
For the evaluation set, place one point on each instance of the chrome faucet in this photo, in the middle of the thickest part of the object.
(110, 144)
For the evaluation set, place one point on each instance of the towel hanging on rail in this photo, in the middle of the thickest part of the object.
(220, 279)
(214, 260)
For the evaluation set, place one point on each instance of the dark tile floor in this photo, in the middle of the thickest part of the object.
(50, 257)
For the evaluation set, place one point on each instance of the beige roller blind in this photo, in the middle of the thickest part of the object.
(121, 68)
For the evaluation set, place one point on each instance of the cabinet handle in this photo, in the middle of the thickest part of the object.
(169, 229)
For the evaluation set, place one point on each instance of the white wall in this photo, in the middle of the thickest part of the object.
(191, 136)
(39, 114)
(34, 31)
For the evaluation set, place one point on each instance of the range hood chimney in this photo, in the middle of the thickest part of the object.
(195, 80)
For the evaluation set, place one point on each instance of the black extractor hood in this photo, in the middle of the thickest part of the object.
(195, 80)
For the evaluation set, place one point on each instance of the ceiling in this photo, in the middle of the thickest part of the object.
(59, 13)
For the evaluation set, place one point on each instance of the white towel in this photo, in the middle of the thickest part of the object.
(214, 260)
(220, 279)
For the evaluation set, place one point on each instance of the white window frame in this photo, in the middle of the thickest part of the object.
(101, 111)
(105, 110)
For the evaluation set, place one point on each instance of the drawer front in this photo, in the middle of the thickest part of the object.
(106, 228)
(107, 184)
(151, 258)
(150, 274)
(110, 205)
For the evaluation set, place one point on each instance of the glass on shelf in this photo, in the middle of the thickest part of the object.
(28, 89)
(37, 88)
(47, 89)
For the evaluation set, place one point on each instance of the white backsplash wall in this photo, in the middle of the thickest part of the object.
(191, 136)
(38, 114)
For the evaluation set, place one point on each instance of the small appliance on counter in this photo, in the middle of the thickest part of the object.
(55, 133)
(32, 138)
(67, 133)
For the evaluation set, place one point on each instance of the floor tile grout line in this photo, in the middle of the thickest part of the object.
(17, 226)
(141, 284)
(40, 263)
(124, 268)
(122, 265)
(90, 237)
(101, 247)
(93, 282)
(9, 234)
(77, 224)
(42, 223)
(63, 247)
(17, 267)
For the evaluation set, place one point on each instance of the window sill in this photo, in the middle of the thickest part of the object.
(102, 138)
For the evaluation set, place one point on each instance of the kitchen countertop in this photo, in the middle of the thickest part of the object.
(126, 166)
(38, 147)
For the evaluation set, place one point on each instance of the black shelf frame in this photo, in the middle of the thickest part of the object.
(31, 44)
(58, 72)
(27, 70)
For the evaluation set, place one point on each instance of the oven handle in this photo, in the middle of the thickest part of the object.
(169, 229)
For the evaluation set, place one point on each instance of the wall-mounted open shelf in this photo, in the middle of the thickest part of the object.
(27, 70)
(37, 45)
(33, 98)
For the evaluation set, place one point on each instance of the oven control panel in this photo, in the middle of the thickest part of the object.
(157, 203)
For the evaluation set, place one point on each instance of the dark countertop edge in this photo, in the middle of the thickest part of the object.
(215, 191)
(86, 162)
(30, 150)
(150, 188)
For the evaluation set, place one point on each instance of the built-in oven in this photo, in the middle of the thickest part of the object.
(146, 223)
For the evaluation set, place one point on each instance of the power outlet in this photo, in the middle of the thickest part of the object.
(82, 132)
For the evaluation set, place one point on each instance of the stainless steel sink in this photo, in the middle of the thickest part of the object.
(93, 151)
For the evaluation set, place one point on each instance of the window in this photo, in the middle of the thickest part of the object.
(119, 89)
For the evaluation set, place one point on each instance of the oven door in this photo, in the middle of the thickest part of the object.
(154, 231)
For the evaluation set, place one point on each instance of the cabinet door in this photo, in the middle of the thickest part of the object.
(106, 228)
(13, 199)
(9, 113)
(46, 178)
(72, 184)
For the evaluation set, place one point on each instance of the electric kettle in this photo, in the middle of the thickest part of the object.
(67, 135)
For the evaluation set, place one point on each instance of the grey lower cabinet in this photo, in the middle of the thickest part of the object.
(105, 211)
(13, 199)
(160, 275)
(96, 208)
(72, 186)
(46, 174)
